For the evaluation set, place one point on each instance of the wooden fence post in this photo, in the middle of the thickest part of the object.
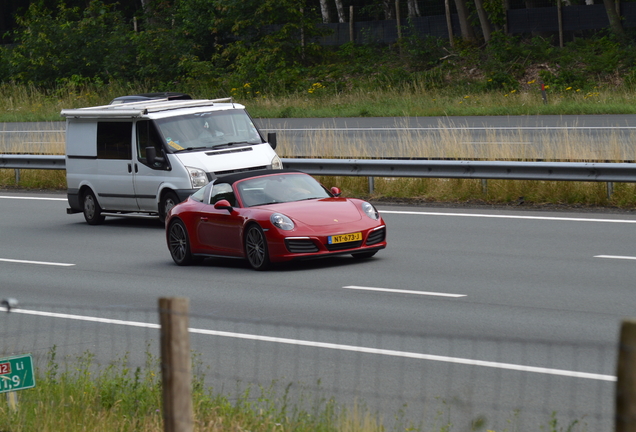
(176, 365)
(626, 379)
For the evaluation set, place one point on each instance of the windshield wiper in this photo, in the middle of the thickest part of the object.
(230, 144)
(190, 149)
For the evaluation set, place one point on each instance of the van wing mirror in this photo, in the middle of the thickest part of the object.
(151, 156)
(271, 139)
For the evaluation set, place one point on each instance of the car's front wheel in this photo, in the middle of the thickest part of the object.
(179, 243)
(92, 209)
(256, 248)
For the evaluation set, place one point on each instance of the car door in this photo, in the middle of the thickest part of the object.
(219, 230)
(146, 177)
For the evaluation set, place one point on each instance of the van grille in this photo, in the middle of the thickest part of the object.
(256, 168)
(228, 151)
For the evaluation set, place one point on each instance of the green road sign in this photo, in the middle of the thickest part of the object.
(16, 373)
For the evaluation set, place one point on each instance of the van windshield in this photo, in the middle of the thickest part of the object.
(208, 130)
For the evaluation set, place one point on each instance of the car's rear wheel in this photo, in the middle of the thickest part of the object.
(363, 255)
(92, 209)
(256, 248)
(179, 243)
(169, 200)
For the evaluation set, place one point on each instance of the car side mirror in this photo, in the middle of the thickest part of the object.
(152, 158)
(223, 205)
(271, 139)
(336, 191)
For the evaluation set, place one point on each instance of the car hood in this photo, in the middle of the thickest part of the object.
(323, 212)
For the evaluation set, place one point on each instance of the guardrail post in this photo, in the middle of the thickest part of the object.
(484, 186)
(610, 189)
(371, 184)
(176, 365)
(17, 177)
(626, 379)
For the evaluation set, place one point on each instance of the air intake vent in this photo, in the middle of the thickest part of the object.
(376, 236)
(300, 246)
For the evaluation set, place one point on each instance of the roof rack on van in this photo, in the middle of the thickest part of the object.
(138, 109)
(83, 112)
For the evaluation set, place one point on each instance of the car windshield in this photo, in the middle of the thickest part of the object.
(210, 130)
(280, 188)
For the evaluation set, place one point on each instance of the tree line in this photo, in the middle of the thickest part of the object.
(269, 44)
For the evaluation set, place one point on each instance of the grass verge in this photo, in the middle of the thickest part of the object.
(87, 398)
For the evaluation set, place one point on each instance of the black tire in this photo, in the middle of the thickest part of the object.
(179, 243)
(168, 200)
(364, 255)
(92, 209)
(256, 248)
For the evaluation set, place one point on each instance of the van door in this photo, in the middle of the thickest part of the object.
(114, 166)
(148, 178)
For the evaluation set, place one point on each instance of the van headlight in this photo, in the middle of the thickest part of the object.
(370, 211)
(277, 163)
(198, 178)
(281, 221)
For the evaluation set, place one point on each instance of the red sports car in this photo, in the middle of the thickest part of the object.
(271, 216)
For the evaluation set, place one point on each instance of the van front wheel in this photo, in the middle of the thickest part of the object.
(92, 210)
(169, 200)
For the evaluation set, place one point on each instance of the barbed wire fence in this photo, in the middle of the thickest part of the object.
(435, 381)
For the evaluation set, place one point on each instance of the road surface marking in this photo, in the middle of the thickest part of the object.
(339, 347)
(36, 262)
(616, 257)
(33, 198)
(401, 291)
(551, 218)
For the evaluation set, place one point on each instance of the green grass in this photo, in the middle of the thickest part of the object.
(83, 396)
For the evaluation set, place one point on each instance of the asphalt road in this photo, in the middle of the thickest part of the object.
(511, 287)
(591, 137)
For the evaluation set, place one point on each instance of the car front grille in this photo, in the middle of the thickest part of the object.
(376, 236)
(300, 246)
(341, 246)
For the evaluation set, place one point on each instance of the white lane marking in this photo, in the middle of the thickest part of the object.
(460, 128)
(340, 347)
(569, 219)
(34, 198)
(616, 257)
(36, 262)
(401, 291)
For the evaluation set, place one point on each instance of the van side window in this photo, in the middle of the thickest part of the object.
(222, 191)
(148, 136)
(114, 140)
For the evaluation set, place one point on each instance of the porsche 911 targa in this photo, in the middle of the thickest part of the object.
(269, 216)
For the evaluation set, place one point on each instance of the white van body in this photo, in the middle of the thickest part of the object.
(144, 157)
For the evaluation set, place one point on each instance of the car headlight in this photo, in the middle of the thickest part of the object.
(370, 211)
(198, 178)
(281, 221)
(277, 163)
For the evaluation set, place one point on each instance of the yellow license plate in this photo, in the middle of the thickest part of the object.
(345, 238)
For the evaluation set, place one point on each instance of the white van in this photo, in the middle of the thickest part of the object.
(144, 157)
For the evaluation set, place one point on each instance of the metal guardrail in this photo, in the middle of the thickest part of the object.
(495, 170)
(29, 161)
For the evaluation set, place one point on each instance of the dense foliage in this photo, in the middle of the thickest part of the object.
(250, 48)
